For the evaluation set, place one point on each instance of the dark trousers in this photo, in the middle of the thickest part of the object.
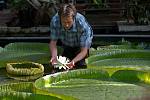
(71, 52)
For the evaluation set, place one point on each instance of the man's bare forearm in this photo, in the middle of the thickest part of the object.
(81, 55)
(53, 49)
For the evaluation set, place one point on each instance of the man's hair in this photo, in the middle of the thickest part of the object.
(67, 10)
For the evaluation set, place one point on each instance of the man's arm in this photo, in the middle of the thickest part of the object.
(54, 37)
(85, 39)
(81, 55)
(53, 50)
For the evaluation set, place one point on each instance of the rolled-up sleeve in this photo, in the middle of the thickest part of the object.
(87, 33)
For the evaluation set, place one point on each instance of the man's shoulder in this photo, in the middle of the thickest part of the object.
(79, 15)
(80, 19)
(55, 20)
(55, 17)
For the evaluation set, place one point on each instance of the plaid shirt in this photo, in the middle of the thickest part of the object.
(80, 34)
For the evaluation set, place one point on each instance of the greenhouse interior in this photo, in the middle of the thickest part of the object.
(113, 43)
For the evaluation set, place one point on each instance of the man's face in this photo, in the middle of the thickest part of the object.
(67, 22)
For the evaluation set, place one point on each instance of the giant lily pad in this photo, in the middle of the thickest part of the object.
(25, 71)
(87, 84)
(23, 91)
(24, 68)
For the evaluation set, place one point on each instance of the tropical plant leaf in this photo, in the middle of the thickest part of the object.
(120, 54)
(25, 96)
(20, 87)
(24, 68)
(25, 71)
(140, 76)
(25, 77)
(85, 85)
(121, 62)
(101, 51)
(27, 91)
(23, 90)
(14, 57)
(115, 47)
(125, 45)
(82, 73)
(20, 52)
(111, 48)
(127, 75)
(1, 49)
(30, 47)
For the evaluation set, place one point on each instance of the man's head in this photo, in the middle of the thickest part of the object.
(67, 13)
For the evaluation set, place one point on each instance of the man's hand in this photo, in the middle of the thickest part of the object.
(53, 61)
(71, 65)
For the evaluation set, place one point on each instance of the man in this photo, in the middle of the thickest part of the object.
(75, 34)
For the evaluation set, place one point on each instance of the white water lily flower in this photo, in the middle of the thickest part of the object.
(61, 63)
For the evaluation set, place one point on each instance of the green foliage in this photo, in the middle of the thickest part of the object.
(25, 77)
(25, 71)
(16, 56)
(120, 54)
(1, 49)
(126, 76)
(21, 87)
(125, 56)
(139, 10)
(19, 4)
(132, 76)
(98, 2)
(122, 45)
(121, 62)
(25, 52)
(23, 90)
(115, 63)
(23, 46)
(25, 68)
(83, 84)
(81, 74)
(25, 96)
